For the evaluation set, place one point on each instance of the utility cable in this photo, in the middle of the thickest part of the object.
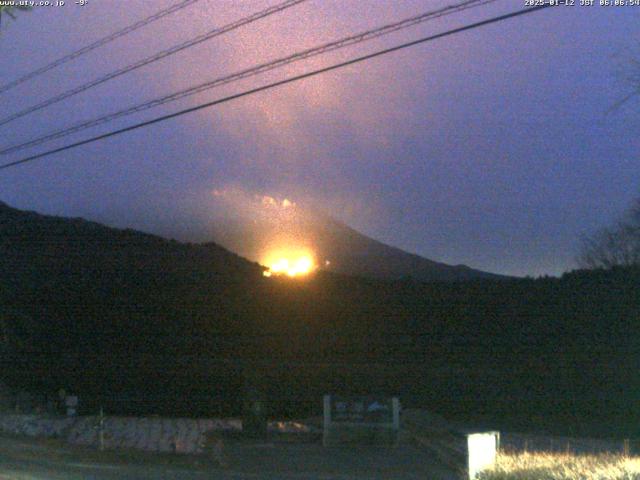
(98, 43)
(154, 58)
(252, 71)
(269, 86)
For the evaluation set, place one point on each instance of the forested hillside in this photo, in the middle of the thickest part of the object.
(106, 312)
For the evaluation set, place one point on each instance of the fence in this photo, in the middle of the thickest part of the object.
(516, 443)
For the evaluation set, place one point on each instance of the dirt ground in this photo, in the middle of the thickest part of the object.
(240, 459)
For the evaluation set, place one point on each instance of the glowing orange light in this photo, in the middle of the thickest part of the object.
(289, 264)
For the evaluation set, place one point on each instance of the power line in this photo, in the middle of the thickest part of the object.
(98, 43)
(154, 58)
(280, 83)
(253, 71)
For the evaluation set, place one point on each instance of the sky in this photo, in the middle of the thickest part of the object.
(495, 148)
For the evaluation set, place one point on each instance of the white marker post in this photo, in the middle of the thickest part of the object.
(482, 451)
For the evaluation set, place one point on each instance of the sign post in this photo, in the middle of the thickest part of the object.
(361, 420)
(254, 409)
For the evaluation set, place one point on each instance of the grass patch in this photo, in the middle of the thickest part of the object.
(562, 466)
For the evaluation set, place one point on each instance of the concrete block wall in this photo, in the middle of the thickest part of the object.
(152, 434)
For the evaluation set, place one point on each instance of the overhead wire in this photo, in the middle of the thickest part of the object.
(153, 58)
(272, 85)
(98, 43)
(253, 71)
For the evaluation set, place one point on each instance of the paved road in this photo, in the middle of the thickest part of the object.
(22, 459)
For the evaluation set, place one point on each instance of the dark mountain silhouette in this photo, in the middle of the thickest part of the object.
(83, 285)
(337, 247)
(142, 325)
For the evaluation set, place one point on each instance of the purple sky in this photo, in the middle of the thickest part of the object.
(491, 148)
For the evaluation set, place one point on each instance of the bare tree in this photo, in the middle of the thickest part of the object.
(10, 11)
(629, 74)
(614, 246)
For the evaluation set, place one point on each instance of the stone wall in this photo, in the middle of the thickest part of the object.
(152, 434)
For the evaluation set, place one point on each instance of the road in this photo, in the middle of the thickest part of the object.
(27, 459)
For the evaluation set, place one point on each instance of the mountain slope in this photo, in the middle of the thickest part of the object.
(138, 324)
(77, 283)
(336, 247)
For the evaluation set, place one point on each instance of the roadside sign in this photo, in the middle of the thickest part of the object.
(367, 409)
(360, 419)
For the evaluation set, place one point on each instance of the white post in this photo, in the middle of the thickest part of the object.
(395, 402)
(327, 419)
(101, 430)
(395, 405)
(482, 451)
